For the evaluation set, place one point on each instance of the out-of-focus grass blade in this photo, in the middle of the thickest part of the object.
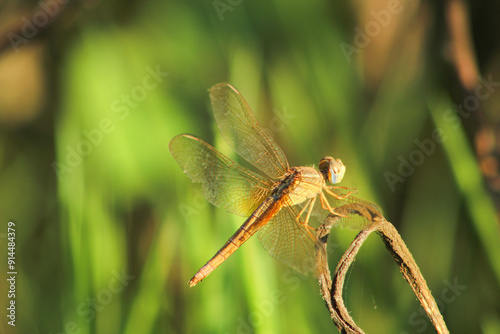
(147, 304)
(468, 177)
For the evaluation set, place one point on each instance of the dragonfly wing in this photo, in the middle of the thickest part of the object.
(290, 241)
(224, 182)
(243, 133)
(360, 213)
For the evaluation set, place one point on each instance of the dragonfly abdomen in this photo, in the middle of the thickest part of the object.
(257, 219)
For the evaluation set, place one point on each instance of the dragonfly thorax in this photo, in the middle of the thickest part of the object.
(332, 170)
(286, 184)
(299, 184)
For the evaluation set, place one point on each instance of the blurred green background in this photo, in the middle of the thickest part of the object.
(109, 229)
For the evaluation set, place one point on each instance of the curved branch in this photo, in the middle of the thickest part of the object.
(332, 291)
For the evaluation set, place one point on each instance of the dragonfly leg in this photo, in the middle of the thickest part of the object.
(302, 211)
(337, 196)
(311, 206)
(338, 187)
(325, 205)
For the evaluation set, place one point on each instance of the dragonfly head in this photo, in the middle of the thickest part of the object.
(332, 170)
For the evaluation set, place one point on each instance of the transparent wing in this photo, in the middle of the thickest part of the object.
(224, 182)
(290, 241)
(356, 210)
(244, 134)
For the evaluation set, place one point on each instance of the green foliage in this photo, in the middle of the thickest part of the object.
(108, 244)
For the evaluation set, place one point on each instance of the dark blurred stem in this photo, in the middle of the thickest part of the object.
(332, 291)
(16, 31)
(463, 53)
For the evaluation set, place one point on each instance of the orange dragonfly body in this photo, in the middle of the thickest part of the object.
(275, 198)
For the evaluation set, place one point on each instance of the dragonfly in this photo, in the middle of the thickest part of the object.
(277, 199)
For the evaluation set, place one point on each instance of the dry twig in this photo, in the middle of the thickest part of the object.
(332, 291)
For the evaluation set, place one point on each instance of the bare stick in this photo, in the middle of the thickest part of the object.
(332, 291)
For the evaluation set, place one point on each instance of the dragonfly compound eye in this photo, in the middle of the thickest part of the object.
(332, 170)
(338, 171)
